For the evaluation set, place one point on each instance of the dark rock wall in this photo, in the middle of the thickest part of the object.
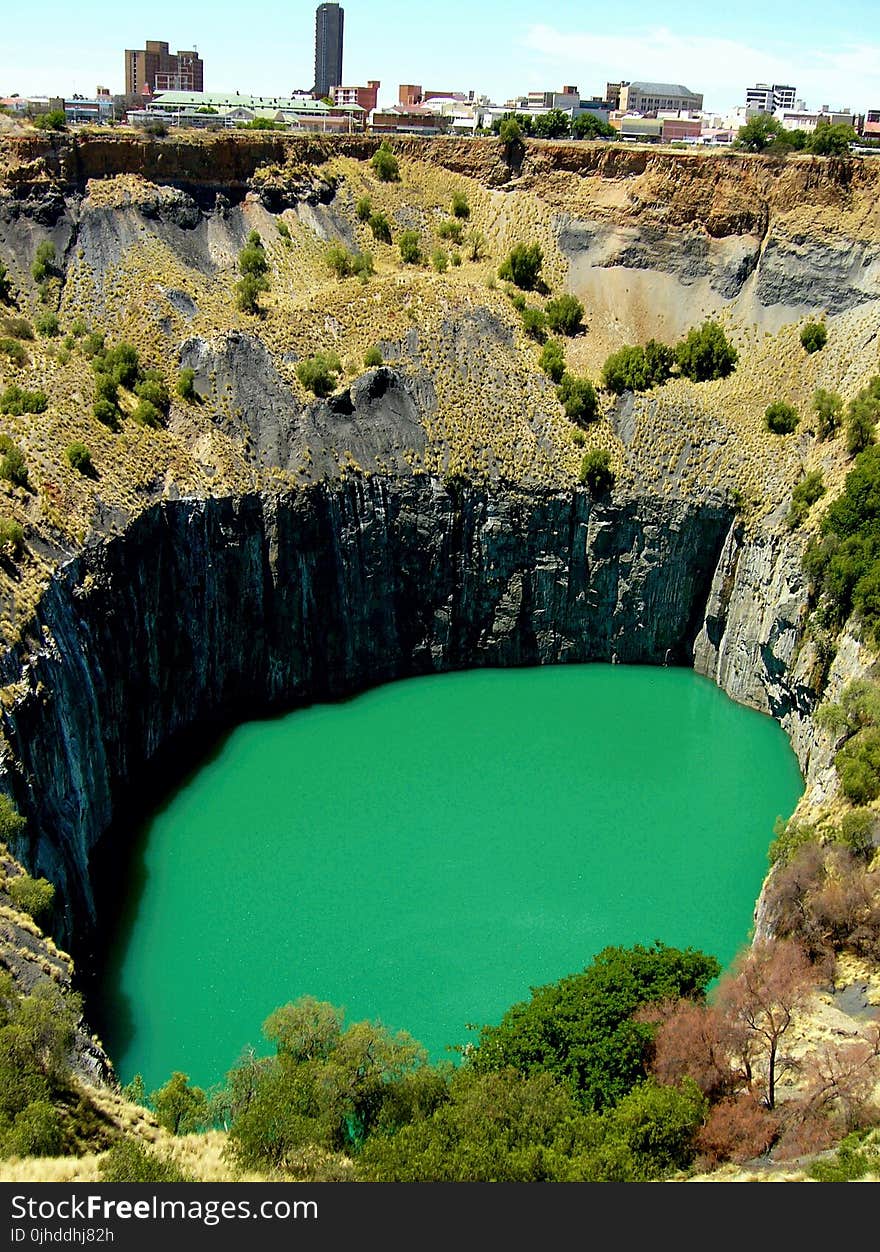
(213, 610)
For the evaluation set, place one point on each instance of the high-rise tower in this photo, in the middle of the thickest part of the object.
(329, 19)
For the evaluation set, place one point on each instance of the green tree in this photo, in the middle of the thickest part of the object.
(12, 824)
(121, 363)
(44, 265)
(828, 408)
(578, 397)
(552, 360)
(34, 896)
(47, 324)
(565, 315)
(13, 466)
(146, 413)
(373, 357)
(810, 489)
(11, 541)
(107, 413)
(79, 458)
(385, 164)
(6, 292)
(781, 418)
(523, 265)
(459, 206)
(634, 368)
(814, 336)
(589, 126)
(153, 387)
(554, 124)
(131, 1161)
(534, 322)
(705, 353)
(831, 140)
(320, 373)
(410, 250)
(186, 384)
(511, 136)
(363, 209)
(248, 290)
(596, 473)
(581, 1028)
(451, 228)
(180, 1108)
(252, 258)
(55, 119)
(759, 133)
(380, 227)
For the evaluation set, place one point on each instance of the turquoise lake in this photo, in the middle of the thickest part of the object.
(427, 852)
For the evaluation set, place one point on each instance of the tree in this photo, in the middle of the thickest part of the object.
(179, 1107)
(828, 408)
(810, 489)
(363, 209)
(5, 285)
(12, 824)
(247, 292)
(252, 258)
(780, 418)
(459, 206)
(523, 265)
(578, 396)
(581, 1028)
(439, 260)
(373, 357)
(186, 384)
(705, 353)
(320, 373)
(380, 226)
(589, 126)
(34, 896)
(814, 336)
(385, 164)
(565, 315)
(831, 140)
(759, 133)
(554, 124)
(761, 994)
(552, 360)
(55, 119)
(11, 538)
(13, 466)
(146, 413)
(511, 136)
(596, 473)
(131, 1161)
(534, 322)
(410, 251)
(44, 261)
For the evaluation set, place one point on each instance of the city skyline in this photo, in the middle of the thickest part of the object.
(498, 49)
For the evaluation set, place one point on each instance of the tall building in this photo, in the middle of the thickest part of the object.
(652, 97)
(154, 68)
(329, 21)
(768, 97)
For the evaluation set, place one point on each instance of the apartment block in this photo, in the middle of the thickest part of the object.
(154, 68)
(768, 97)
(643, 97)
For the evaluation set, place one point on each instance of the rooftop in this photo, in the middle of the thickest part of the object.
(662, 89)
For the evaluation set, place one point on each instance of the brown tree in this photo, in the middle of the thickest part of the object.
(760, 996)
(698, 1041)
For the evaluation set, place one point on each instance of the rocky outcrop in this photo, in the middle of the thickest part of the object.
(212, 610)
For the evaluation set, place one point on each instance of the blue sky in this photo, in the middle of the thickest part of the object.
(499, 48)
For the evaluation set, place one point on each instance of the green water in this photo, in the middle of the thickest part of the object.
(427, 852)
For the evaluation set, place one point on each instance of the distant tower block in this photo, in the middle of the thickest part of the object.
(329, 22)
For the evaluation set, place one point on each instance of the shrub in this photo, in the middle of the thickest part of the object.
(11, 539)
(12, 824)
(247, 292)
(634, 368)
(380, 226)
(552, 360)
(106, 413)
(252, 258)
(452, 229)
(31, 895)
(18, 327)
(828, 408)
(338, 260)
(153, 388)
(578, 396)
(186, 384)
(455, 259)
(180, 1108)
(372, 357)
(706, 354)
(13, 466)
(147, 414)
(80, 458)
(460, 206)
(534, 322)
(410, 252)
(363, 209)
(93, 343)
(565, 315)
(476, 245)
(16, 400)
(43, 266)
(106, 387)
(37, 1130)
(157, 129)
(805, 494)
(858, 766)
(283, 229)
(596, 473)
(121, 363)
(440, 260)
(780, 418)
(130, 1161)
(47, 324)
(5, 285)
(14, 350)
(814, 336)
(861, 417)
(523, 265)
(55, 119)
(385, 164)
(320, 373)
